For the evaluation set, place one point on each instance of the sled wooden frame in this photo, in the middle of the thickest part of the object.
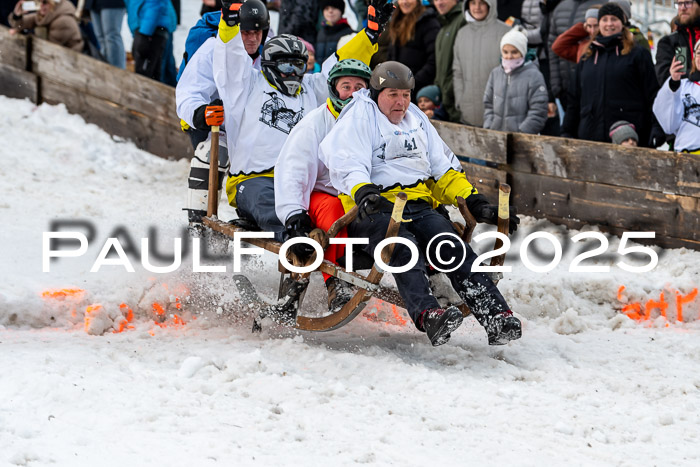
(367, 286)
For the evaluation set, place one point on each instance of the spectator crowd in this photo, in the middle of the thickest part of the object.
(572, 68)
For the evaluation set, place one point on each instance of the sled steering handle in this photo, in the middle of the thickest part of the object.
(213, 201)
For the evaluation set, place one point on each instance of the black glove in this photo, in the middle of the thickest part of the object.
(488, 213)
(369, 201)
(657, 137)
(300, 225)
(378, 14)
(200, 119)
(230, 12)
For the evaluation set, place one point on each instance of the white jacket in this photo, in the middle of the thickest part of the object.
(365, 147)
(299, 170)
(259, 117)
(196, 86)
(678, 114)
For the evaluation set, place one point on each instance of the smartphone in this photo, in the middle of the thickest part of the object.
(30, 6)
(681, 56)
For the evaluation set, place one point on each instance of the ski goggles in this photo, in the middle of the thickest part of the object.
(291, 66)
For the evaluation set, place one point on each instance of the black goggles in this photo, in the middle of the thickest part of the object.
(291, 66)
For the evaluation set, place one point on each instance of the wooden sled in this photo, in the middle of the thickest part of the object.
(368, 286)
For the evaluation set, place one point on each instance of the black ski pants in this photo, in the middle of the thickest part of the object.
(476, 289)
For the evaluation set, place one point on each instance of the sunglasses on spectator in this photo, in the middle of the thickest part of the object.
(683, 5)
(291, 66)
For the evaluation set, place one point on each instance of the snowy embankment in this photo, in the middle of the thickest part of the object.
(185, 383)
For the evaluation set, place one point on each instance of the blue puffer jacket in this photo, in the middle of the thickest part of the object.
(147, 15)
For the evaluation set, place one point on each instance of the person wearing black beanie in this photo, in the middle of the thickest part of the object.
(614, 81)
(339, 4)
(333, 27)
(612, 9)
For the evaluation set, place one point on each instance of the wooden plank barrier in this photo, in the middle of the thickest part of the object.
(15, 80)
(570, 182)
(120, 102)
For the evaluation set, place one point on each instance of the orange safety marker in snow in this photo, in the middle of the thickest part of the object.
(682, 300)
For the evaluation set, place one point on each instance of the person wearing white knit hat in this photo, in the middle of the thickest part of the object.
(516, 96)
(517, 39)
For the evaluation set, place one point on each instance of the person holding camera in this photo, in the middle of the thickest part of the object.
(677, 106)
(682, 41)
(614, 81)
(49, 19)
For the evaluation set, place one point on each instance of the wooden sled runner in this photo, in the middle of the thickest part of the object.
(367, 286)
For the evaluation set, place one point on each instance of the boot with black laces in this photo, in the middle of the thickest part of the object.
(339, 293)
(502, 328)
(439, 323)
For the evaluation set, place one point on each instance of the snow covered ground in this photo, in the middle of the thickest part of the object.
(585, 385)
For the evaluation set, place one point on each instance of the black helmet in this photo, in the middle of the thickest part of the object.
(284, 55)
(254, 16)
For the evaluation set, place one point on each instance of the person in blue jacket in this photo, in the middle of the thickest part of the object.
(152, 23)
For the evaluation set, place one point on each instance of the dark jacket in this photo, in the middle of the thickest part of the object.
(97, 5)
(684, 36)
(419, 53)
(566, 14)
(508, 8)
(299, 18)
(608, 87)
(327, 39)
(444, 45)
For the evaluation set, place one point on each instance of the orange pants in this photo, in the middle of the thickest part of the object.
(324, 209)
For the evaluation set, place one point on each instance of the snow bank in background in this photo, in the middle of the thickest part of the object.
(585, 383)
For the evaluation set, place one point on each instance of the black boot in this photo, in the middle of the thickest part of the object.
(502, 328)
(439, 323)
(339, 293)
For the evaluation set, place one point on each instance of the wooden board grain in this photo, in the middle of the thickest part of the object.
(152, 135)
(17, 83)
(627, 209)
(485, 179)
(474, 142)
(98, 79)
(13, 49)
(642, 168)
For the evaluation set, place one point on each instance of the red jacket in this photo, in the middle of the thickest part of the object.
(572, 43)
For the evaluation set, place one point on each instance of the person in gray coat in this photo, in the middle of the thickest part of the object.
(516, 95)
(476, 52)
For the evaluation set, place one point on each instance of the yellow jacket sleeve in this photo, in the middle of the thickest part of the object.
(226, 32)
(451, 185)
(359, 48)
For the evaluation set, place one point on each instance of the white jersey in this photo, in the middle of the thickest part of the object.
(365, 147)
(258, 116)
(299, 170)
(196, 86)
(678, 114)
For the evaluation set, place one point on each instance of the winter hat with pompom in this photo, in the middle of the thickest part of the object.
(517, 39)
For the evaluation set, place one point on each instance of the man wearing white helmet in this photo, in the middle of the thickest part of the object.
(381, 145)
(261, 109)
